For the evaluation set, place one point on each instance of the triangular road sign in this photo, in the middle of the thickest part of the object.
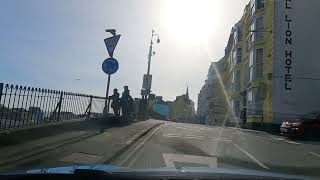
(111, 43)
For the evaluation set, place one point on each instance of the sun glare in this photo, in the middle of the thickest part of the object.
(191, 20)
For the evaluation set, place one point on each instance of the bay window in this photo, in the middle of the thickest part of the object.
(256, 64)
(255, 98)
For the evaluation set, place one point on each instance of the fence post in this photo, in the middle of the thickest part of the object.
(1, 89)
(59, 105)
(90, 105)
(88, 110)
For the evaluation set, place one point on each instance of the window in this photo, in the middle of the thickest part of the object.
(259, 63)
(259, 4)
(256, 5)
(246, 80)
(238, 34)
(259, 28)
(256, 64)
(238, 55)
(236, 107)
(251, 66)
(255, 98)
(252, 34)
(236, 80)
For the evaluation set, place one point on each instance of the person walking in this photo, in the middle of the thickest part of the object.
(125, 102)
(115, 102)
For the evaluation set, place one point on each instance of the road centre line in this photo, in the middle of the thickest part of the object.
(140, 145)
(317, 155)
(250, 156)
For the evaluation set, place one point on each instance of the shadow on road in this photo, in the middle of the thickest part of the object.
(29, 134)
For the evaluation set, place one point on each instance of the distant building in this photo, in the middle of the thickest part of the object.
(183, 109)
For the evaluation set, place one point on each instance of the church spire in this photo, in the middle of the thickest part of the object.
(187, 93)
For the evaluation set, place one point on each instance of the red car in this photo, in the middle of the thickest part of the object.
(308, 125)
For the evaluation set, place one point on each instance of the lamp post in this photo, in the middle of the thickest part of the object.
(151, 53)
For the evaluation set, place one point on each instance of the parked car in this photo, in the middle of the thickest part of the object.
(307, 125)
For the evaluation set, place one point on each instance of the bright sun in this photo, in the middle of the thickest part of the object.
(191, 20)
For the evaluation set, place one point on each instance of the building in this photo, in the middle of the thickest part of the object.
(183, 109)
(271, 65)
(211, 109)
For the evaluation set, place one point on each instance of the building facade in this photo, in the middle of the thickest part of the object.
(183, 109)
(271, 65)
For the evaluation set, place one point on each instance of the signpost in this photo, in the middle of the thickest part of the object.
(110, 65)
(147, 80)
(111, 43)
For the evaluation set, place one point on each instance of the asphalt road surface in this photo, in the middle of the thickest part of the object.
(180, 145)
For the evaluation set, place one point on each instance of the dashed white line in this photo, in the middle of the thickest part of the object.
(317, 155)
(251, 156)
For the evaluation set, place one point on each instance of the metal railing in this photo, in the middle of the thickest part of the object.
(22, 106)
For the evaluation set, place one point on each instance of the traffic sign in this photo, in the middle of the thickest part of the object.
(147, 80)
(110, 66)
(111, 43)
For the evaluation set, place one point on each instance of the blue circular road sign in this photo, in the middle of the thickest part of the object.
(110, 66)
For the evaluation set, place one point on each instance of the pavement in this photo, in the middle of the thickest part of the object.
(89, 145)
(177, 145)
(155, 144)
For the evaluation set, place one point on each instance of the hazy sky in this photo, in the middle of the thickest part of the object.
(50, 44)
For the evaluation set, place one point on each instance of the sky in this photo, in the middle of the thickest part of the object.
(58, 44)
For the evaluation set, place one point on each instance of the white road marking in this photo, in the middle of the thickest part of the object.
(135, 136)
(278, 138)
(221, 139)
(251, 156)
(190, 137)
(169, 160)
(317, 155)
(173, 135)
(178, 127)
(140, 145)
(292, 142)
(196, 137)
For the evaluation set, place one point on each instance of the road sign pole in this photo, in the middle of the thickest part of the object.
(107, 94)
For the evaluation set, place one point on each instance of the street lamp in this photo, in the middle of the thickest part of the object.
(151, 53)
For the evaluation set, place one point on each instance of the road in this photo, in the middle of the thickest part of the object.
(154, 144)
(177, 145)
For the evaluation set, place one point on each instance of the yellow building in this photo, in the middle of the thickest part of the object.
(272, 66)
(249, 63)
(271, 69)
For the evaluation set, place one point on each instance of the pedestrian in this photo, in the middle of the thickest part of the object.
(115, 102)
(125, 101)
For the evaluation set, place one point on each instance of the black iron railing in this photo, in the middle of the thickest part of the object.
(22, 106)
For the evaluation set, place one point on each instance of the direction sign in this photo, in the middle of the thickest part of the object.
(111, 43)
(147, 80)
(110, 66)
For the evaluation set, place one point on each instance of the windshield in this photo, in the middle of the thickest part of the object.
(162, 83)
